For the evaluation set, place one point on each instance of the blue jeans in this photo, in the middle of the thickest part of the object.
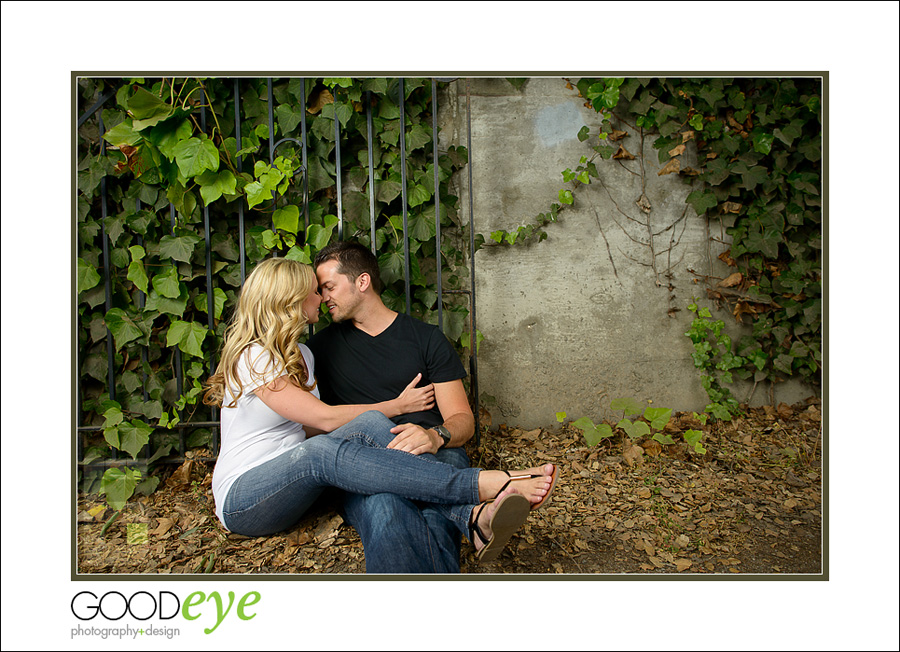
(403, 536)
(273, 496)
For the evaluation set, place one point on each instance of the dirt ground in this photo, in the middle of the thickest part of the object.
(751, 505)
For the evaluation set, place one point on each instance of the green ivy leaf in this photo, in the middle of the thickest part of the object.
(762, 142)
(219, 300)
(87, 275)
(566, 197)
(118, 486)
(188, 336)
(133, 436)
(663, 439)
(629, 405)
(693, 437)
(123, 134)
(702, 201)
(215, 184)
(634, 430)
(287, 219)
(195, 155)
(167, 284)
(122, 326)
(138, 276)
(658, 417)
(178, 247)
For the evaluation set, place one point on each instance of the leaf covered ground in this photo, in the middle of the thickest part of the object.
(751, 505)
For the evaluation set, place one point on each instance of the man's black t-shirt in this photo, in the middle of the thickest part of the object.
(354, 367)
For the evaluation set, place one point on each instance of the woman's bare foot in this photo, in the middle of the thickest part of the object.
(534, 483)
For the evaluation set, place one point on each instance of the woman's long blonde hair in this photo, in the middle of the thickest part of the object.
(269, 313)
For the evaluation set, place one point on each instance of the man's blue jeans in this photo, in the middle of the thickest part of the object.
(273, 496)
(404, 536)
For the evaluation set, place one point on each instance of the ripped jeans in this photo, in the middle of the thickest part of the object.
(273, 496)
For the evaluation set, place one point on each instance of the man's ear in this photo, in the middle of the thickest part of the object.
(363, 282)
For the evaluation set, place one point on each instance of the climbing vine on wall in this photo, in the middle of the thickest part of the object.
(751, 149)
(162, 167)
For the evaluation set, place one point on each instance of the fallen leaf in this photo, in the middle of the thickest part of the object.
(682, 541)
(651, 447)
(163, 526)
(136, 534)
(634, 455)
(674, 165)
(182, 476)
(683, 564)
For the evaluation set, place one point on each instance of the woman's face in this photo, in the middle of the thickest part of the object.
(311, 306)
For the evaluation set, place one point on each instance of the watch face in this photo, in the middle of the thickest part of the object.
(444, 433)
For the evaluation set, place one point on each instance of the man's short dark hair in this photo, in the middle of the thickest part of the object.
(353, 259)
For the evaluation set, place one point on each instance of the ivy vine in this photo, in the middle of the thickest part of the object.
(757, 143)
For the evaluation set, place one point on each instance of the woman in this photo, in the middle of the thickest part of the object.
(271, 467)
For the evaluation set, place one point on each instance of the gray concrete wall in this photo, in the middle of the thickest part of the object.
(593, 313)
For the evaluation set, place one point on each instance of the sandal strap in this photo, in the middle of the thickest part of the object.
(475, 530)
(513, 478)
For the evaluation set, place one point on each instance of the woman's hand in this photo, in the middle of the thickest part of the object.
(415, 399)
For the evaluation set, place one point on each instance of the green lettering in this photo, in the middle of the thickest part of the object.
(220, 616)
(247, 603)
(190, 602)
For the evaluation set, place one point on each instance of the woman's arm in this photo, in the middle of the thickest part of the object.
(301, 406)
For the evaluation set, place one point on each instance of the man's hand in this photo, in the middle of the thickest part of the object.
(415, 439)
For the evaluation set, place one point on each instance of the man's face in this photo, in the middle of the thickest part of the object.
(339, 293)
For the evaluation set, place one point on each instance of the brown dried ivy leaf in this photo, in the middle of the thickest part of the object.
(320, 100)
(623, 153)
(732, 281)
(677, 150)
(730, 207)
(644, 204)
(686, 136)
(674, 165)
(615, 135)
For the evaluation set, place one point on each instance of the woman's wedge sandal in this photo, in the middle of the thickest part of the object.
(540, 503)
(510, 513)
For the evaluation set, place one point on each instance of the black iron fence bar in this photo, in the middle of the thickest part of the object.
(240, 168)
(179, 377)
(96, 105)
(303, 160)
(437, 203)
(370, 151)
(337, 170)
(473, 335)
(406, 273)
(210, 292)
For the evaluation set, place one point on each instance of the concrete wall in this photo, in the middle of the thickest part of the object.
(592, 313)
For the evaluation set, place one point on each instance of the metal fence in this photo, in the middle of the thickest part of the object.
(185, 427)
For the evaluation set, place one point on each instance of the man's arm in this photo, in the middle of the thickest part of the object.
(458, 419)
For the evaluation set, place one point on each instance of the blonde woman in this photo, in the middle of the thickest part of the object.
(281, 445)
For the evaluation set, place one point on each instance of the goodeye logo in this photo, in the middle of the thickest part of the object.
(165, 605)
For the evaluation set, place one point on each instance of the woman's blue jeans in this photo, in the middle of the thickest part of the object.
(273, 496)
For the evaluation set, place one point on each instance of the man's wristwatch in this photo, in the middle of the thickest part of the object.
(444, 434)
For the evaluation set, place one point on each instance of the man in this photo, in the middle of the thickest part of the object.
(370, 354)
